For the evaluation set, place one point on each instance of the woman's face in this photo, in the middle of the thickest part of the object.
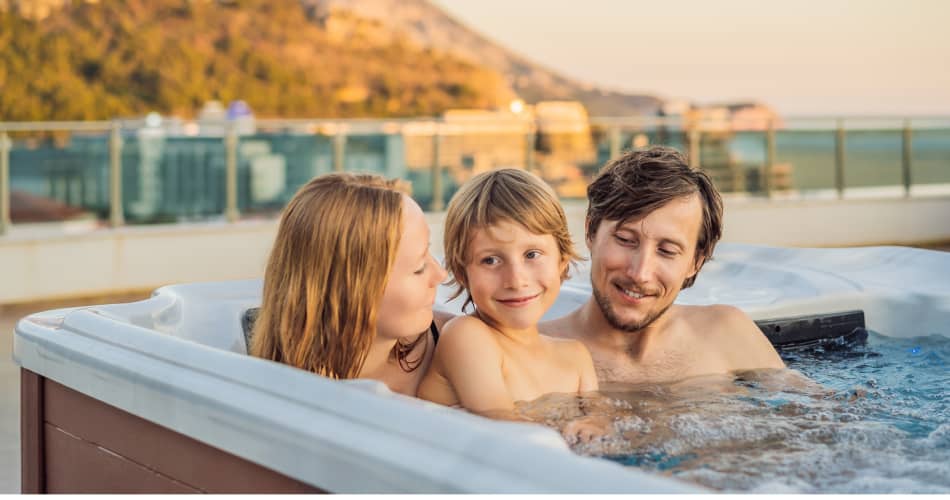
(406, 306)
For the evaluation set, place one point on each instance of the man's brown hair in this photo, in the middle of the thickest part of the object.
(639, 182)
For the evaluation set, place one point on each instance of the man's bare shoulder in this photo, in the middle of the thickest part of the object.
(561, 328)
(733, 333)
(564, 346)
(714, 317)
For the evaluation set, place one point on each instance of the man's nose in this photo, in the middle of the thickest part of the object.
(640, 267)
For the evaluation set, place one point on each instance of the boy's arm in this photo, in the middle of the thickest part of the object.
(588, 381)
(471, 361)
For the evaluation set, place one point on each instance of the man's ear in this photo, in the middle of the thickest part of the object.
(588, 238)
(697, 265)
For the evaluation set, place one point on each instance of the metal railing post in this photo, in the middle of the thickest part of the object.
(529, 142)
(5, 147)
(839, 158)
(906, 155)
(614, 137)
(693, 139)
(769, 159)
(231, 212)
(437, 202)
(116, 212)
(339, 149)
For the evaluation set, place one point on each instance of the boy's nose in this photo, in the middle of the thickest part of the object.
(514, 276)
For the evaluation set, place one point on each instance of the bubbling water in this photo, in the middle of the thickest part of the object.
(875, 420)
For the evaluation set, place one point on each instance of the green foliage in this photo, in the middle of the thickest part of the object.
(125, 58)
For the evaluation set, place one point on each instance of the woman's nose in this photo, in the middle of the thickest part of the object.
(440, 273)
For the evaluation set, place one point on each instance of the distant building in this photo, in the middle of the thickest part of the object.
(744, 116)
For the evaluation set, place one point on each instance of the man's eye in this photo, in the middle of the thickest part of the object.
(622, 240)
(667, 252)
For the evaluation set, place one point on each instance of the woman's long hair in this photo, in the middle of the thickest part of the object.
(326, 274)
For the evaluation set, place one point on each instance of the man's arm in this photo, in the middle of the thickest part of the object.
(746, 347)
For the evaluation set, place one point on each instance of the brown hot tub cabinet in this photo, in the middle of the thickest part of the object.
(72, 443)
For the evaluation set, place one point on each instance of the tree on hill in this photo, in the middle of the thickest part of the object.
(100, 60)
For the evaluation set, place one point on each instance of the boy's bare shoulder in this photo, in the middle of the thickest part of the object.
(466, 330)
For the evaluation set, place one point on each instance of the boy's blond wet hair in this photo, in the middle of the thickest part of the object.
(507, 194)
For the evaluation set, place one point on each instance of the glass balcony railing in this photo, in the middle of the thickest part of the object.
(63, 171)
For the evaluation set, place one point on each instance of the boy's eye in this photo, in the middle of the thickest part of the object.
(491, 260)
(533, 254)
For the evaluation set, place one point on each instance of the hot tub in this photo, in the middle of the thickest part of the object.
(159, 395)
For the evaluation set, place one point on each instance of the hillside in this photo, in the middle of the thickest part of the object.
(426, 25)
(100, 60)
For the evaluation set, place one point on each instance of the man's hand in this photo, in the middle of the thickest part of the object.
(585, 429)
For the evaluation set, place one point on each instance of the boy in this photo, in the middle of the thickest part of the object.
(508, 248)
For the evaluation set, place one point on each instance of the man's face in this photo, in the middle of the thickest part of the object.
(638, 268)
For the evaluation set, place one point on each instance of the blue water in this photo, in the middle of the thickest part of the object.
(879, 422)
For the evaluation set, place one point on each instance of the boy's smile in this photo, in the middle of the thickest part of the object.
(513, 275)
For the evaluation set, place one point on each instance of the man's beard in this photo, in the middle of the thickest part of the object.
(605, 308)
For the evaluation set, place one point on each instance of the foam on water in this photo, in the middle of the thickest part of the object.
(879, 422)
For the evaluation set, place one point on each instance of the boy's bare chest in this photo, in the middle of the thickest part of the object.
(530, 377)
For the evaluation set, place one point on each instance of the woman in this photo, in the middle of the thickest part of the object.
(350, 284)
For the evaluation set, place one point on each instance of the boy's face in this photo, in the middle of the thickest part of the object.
(513, 275)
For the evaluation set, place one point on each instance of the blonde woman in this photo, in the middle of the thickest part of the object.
(350, 284)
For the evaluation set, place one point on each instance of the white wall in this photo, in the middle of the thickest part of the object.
(37, 264)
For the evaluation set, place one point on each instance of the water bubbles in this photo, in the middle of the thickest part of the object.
(876, 424)
(939, 438)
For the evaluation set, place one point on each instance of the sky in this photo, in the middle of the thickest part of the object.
(802, 57)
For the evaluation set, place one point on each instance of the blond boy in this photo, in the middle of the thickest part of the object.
(508, 249)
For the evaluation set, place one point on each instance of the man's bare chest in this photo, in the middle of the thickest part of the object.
(663, 365)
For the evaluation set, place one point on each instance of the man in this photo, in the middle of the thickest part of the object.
(652, 222)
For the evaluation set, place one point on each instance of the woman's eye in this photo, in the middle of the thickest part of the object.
(420, 270)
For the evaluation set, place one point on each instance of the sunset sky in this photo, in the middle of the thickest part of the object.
(814, 57)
